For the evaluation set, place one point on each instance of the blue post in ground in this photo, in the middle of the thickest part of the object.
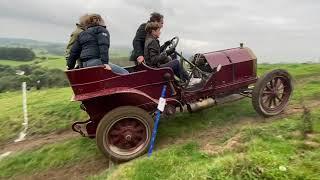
(155, 128)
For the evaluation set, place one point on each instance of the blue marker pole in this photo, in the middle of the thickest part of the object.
(155, 128)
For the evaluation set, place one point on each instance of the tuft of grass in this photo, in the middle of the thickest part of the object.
(306, 123)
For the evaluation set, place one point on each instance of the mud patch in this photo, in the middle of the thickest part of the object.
(232, 144)
(312, 144)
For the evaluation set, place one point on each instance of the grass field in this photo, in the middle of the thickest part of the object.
(269, 150)
(59, 62)
(14, 63)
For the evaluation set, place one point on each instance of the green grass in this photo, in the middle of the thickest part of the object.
(266, 150)
(48, 111)
(49, 156)
(297, 70)
(59, 62)
(14, 63)
(54, 63)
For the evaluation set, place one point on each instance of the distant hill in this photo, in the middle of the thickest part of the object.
(42, 47)
(38, 46)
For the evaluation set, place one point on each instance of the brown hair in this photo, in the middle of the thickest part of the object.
(152, 26)
(156, 17)
(82, 20)
(93, 20)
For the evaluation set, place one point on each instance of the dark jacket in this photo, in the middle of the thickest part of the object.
(153, 54)
(138, 42)
(92, 43)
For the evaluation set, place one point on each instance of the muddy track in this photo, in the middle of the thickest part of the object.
(36, 142)
(207, 136)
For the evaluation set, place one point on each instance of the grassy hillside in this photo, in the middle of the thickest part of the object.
(49, 110)
(224, 142)
(275, 150)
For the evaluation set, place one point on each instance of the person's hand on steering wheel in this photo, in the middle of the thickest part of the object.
(172, 44)
(167, 43)
(170, 51)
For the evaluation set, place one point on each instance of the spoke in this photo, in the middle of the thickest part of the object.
(127, 123)
(283, 93)
(115, 132)
(117, 126)
(274, 101)
(270, 102)
(267, 86)
(115, 140)
(135, 142)
(138, 129)
(278, 82)
(271, 84)
(279, 99)
(267, 99)
(135, 124)
(132, 144)
(274, 83)
(267, 92)
(140, 136)
(122, 144)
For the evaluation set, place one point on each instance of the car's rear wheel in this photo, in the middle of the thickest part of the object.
(124, 133)
(272, 92)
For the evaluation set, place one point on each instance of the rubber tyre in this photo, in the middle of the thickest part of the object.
(110, 118)
(262, 83)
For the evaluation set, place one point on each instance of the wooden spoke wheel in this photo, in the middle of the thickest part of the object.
(272, 93)
(124, 133)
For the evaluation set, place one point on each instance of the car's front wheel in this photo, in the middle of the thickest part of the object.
(272, 92)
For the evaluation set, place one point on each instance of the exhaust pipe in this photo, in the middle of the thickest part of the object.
(193, 107)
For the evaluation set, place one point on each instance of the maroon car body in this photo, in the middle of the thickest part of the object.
(101, 91)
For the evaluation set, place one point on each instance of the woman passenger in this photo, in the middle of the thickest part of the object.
(92, 46)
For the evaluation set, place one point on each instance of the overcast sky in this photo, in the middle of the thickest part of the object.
(276, 30)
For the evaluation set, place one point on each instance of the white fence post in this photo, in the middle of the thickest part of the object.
(23, 133)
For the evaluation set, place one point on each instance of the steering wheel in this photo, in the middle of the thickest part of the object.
(174, 42)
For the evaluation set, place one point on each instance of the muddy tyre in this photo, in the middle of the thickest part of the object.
(124, 133)
(272, 93)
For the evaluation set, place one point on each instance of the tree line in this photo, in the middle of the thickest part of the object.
(17, 54)
(35, 76)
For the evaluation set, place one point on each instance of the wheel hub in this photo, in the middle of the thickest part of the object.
(275, 94)
(126, 135)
